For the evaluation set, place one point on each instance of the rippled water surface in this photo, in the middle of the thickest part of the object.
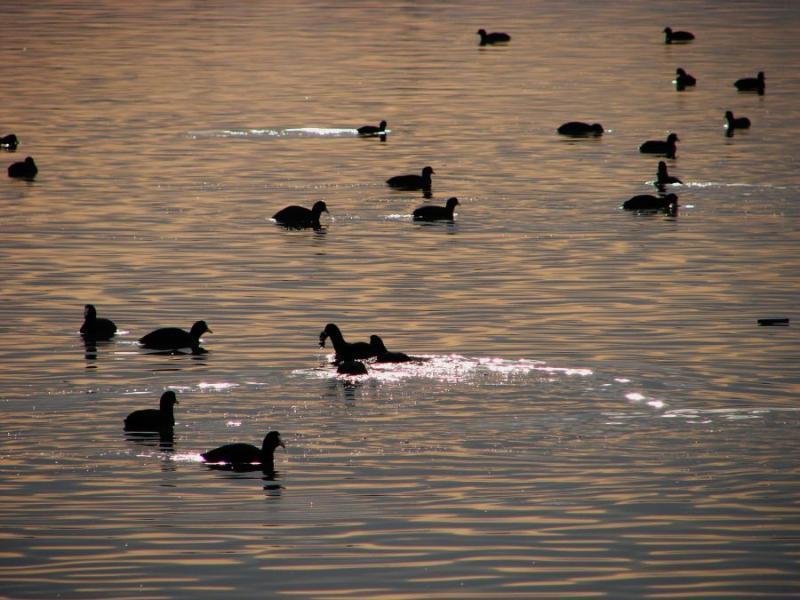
(598, 415)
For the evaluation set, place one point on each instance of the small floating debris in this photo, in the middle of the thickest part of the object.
(774, 321)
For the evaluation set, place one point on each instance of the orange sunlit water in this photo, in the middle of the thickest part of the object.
(599, 414)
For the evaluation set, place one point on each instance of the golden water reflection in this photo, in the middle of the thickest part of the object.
(600, 415)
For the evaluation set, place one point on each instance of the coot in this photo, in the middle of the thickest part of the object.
(732, 122)
(412, 182)
(372, 130)
(751, 84)
(234, 454)
(663, 177)
(94, 327)
(172, 338)
(436, 213)
(154, 419)
(493, 38)
(351, 367)
(383, 354)
(677, 36)
(648, 202)
(26, 169)
(299, 216)
(683, 79)
(580, 128)
(667, 147)
(345, 351)
(9, 142)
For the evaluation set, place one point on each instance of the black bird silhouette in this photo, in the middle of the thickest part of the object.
(436, 213)
(154, 419)
(677, 36)
(493, 38)
(172, 338)
(683, 79)
(751, 84)
(26, 169)
(667, 147)
(579, 128)
(240, 454)
(345, 351)
(9, 142)
(299, 217)
(94, 327)
(663, 177)
(383, 354)
(372, 130)
(648, 202)
(732, 122)
(351, 367)
(412, 182)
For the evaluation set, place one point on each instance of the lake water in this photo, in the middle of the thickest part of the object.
(601, 416)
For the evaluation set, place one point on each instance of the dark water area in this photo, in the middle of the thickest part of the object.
(599, 414)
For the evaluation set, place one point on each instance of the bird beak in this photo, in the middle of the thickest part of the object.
(209, 331)
(322, 338)
(282, 445)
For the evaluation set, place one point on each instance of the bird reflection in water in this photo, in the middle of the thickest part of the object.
(163, 440)
(346, 386)
(90, 351)
(269, 475)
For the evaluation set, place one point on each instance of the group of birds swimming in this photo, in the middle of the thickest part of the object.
(350, 356)
(170, 339)
(300, 217)
(25, 169)
(161, 421)
(668, 147)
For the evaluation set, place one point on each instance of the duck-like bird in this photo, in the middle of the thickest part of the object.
(298, 217)
(677, 36)
(663, 177)
(683, 79)
(154, 419)
(26, 169)
(667, 147)
(345, 351)
(751, 84)
(241, 454)
(172, 338)
(412, 182)
(648, 202)
(579, 128)
(94, 327)
(9, 142)
(493, 38)
(732, 122)
(372, 129)
(430, 212)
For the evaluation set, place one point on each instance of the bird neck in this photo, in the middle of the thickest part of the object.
(337, 339)
(267, 458)
(167, 411)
